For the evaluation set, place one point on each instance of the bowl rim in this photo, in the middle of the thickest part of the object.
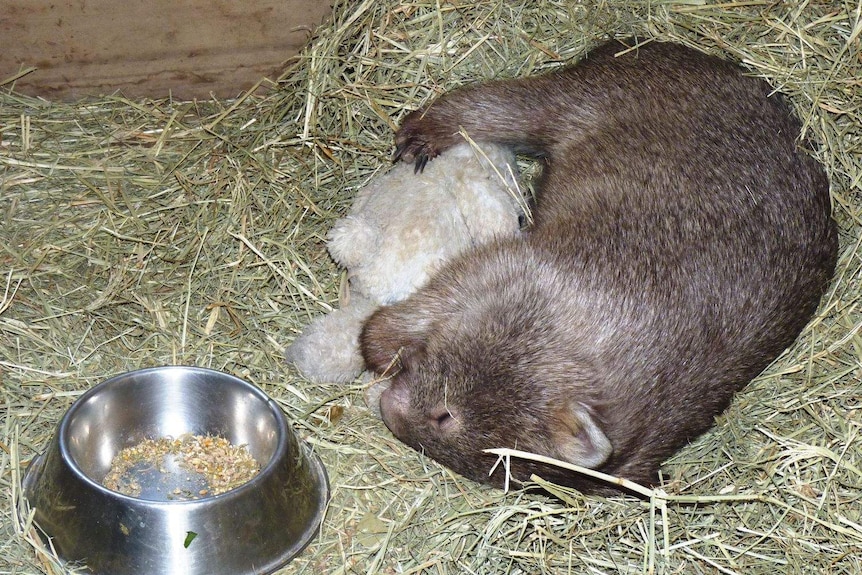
(266, 470)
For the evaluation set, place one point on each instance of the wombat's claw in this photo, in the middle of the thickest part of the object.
(402, 154)
(421, 160)
(414, 152)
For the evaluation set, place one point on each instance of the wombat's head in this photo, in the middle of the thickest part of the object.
(480, 379)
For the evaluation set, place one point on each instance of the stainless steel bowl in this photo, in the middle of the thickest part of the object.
(254, 528)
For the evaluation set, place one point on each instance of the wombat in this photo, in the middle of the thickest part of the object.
(681, 241)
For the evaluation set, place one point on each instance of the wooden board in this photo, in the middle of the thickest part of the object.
(151, 48)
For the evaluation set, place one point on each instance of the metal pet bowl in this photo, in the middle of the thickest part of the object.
(254, 528)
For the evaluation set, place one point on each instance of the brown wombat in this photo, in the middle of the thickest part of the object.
(682, 240)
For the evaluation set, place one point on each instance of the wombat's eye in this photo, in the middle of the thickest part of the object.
(442, 419)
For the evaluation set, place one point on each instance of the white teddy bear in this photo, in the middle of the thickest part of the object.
(401, 228)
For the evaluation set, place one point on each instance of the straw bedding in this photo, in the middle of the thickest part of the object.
(135, 234)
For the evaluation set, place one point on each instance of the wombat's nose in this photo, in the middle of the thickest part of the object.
(394, 406)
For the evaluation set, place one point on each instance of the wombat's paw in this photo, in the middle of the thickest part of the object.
(414, 141)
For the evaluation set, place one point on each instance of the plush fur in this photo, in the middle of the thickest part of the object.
(401, 228)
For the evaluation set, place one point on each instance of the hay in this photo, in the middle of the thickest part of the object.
(142, 233)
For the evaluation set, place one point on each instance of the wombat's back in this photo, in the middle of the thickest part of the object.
(682, 241)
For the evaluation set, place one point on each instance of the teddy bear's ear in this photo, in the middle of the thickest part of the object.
(353, 240)
(393, 337)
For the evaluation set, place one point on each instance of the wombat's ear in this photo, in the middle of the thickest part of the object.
(393, 337)
(578, 437)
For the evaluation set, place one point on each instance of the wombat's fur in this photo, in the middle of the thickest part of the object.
(682, 240)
